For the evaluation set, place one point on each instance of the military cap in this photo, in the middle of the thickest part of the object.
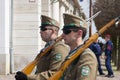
(45, 21)
(73, 21)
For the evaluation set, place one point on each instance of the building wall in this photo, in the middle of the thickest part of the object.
(26, 38)
(20, 40)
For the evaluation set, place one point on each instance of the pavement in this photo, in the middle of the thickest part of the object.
(7, 77)
(116, 73)
(116, 76)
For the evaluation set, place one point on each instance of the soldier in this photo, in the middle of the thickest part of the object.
(95, 47)
(108, 52)
(83, 67)
(51, 61)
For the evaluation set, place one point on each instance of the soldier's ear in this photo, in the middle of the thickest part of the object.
(53, 31)
(80, 33)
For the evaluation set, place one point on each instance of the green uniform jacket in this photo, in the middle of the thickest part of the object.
(83, 68)
(50, 62)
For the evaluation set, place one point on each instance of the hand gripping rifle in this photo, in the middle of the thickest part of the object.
(29, 68)
(69, 60)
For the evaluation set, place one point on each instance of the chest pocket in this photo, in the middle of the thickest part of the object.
(44, 63)
(71, 70)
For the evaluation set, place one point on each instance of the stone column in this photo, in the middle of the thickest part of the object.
(46, 7)
(114, 52)
(118, 65)
(55, 10)
(4, 36)
(62, 10)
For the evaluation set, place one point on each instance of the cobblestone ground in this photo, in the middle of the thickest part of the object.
(116, 74)
(117, 77)
(7, 77)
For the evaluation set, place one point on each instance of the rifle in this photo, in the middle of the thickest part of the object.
(29, 68)
(70, 59)
(94, 16)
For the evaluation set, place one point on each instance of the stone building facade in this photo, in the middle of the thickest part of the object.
(20, 41)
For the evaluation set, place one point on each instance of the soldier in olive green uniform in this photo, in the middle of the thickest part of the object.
(83, 67)
(51, 61)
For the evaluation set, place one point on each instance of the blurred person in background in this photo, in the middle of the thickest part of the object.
(95, 47)
(108, 52)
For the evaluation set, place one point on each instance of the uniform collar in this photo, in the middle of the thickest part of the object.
(73, 51)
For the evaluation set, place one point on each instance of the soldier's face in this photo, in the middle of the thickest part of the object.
(70, 38)
(106, 38)
(46, 34)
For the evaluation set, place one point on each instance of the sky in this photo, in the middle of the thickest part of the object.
(85, 6)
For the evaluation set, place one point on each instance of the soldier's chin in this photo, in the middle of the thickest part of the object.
(44, 40)
(66, 43)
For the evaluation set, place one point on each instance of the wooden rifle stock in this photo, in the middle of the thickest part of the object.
(29, 68)
(67, 62)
